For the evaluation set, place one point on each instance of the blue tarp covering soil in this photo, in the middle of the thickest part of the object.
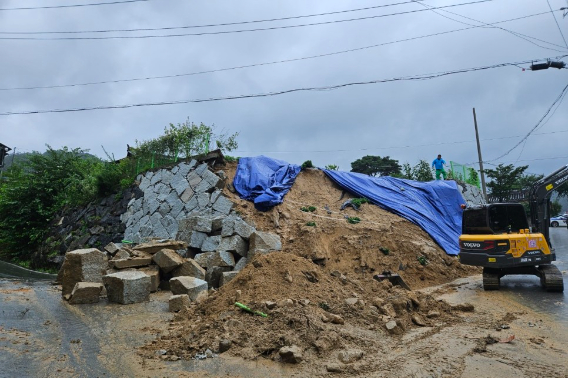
(434, 205)
(264, 180)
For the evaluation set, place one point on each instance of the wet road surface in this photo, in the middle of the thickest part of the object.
(527, 289)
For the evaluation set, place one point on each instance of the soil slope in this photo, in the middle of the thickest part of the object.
(319, 292)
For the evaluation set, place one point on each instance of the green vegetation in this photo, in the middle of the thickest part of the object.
(353, 220)
(422, 260)
(420, 172)
(332, 167)
(357, 202)
(376, 166)
(504, 179)
(307, 164)
(311, 224)
(384, 250)
(37, 187)
(308, 209)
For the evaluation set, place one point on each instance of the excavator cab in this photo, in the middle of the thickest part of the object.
(498, 238)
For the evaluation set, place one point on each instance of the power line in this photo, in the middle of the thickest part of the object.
(396, 147)
(555, 20)
(557, 100)
(270, 94)
(236, 31)
(211, 25)
(516, 34)
(74, 5)
(265, 63)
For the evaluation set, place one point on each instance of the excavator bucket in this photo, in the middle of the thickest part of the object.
(393, 278)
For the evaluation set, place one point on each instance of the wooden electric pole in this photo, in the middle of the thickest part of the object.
(481, 171)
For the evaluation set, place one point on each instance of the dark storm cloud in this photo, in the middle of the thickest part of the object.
(405, 120)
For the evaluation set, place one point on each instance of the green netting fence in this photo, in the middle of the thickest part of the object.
(462, 173)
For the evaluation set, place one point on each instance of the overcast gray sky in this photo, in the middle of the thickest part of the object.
(406, 120)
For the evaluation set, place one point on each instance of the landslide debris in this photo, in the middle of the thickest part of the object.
(319, 292)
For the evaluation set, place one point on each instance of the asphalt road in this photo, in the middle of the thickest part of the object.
(527, 289)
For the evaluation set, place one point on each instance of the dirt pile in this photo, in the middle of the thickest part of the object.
(319, 293)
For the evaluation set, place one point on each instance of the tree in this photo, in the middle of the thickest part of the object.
(504, 179)
(422, 171)
(525, 182)
(376, 166)
(185, 140)
(36, 189)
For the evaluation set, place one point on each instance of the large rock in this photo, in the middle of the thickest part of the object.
(241, 264)
(234, 244)
(82, 265)
(86, 292)
(213, 275)
(189, 268)
(211, 259)
(194, 287)
(178, 302)
(153, 271)
(131, 262)
(211, 244)
(264, 241)
(233, 225)
(154, 247)
(127, 287)
(167, 260)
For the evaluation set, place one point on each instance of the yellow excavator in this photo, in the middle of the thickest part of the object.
(498, 238)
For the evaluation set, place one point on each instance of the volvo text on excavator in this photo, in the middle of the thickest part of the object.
(498, 238)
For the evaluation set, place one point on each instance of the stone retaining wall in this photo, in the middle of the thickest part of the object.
(170, 195)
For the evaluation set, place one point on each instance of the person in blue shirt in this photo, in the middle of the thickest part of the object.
(439, 163)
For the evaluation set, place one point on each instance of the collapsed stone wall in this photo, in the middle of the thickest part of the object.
(471, 194)
(170, 195)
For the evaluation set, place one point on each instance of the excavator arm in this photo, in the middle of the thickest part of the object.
(539, 200)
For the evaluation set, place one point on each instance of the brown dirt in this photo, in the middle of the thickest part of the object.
(322, 272)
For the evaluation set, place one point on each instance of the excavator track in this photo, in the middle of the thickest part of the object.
(551, 278)
(491, 279)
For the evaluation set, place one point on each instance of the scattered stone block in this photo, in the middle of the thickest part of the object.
(189, 268)
(121, 254)
(86, 292)
(154, 247)
(167, 260)
(264, 241)
(153, 271)
(127, 287)
(112, 248)
(234, 244)
(178, 302)
(211, 259)
(214, 274)
(132, 262)
(291, 354)
(82, 265)
(227, 277)
(195, 288)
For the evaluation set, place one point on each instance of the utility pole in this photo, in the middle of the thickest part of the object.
(481, 171)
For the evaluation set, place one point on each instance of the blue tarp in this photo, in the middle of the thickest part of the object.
(434, 205)
(264, 180)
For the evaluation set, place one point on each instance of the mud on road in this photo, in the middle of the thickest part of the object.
(42, 336)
